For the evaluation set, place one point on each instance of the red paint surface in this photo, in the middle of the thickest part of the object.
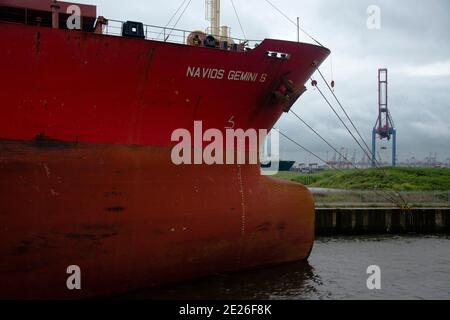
(45, 5)
(75, 86)
(114, 203)
(130, 219)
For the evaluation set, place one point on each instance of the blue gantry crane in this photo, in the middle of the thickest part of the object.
(384, 127)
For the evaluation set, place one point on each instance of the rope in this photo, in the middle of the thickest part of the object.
(320, 136)
(405, 204)
(387, 196)
(179, 18)
(370, 155)
(345, 112)
(173, 16)
(239, 20)
(342, 121)
(294, 23)
(306, 149)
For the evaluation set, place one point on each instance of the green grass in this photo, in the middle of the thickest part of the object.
(408, 179)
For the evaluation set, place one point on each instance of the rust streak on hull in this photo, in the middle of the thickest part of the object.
(131, 219)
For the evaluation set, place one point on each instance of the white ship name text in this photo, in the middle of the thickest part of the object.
(220, 74)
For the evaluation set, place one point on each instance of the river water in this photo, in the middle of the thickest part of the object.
(412, 267)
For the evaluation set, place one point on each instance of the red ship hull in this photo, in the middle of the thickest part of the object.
(108, 198)
(75, 86)
(130, 219)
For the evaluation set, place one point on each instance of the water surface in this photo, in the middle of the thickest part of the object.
(412, 267)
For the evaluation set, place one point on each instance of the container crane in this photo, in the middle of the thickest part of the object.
(384, 128)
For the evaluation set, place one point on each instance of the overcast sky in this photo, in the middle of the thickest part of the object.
(413, 43)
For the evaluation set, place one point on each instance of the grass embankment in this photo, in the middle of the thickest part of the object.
(408, 179)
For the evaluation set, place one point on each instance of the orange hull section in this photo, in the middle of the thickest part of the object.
(131, 219)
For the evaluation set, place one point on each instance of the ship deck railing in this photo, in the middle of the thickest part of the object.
(113, 27)
(166, 34)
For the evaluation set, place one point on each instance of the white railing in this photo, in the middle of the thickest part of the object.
(163, 34)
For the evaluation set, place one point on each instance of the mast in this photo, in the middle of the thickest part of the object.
(213, 15)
